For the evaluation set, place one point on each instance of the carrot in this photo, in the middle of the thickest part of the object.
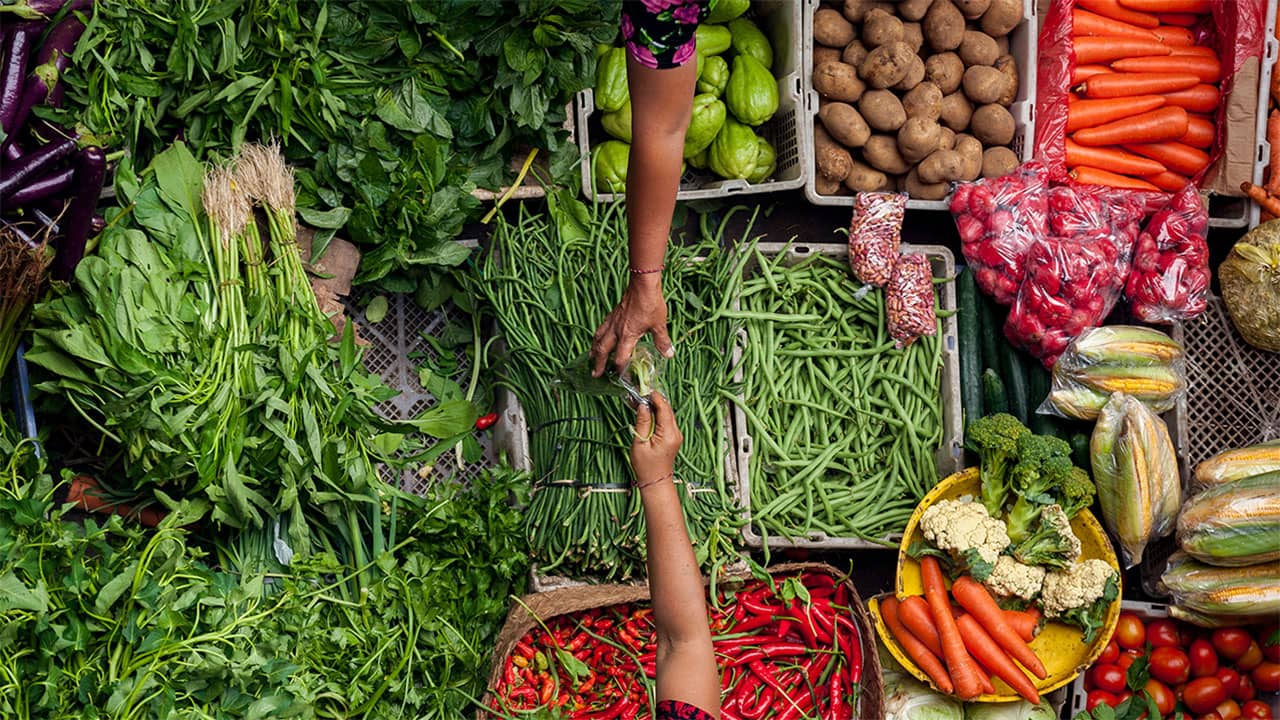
(1266, 216)
(964, 671)
(1180, 19)
(1199, 50)
(1080, 73)
(1108, 48)
(1114, 159)
(1090, 113)
(1208, 69)
(988, 652)
(916, 650)
(1152, 126)
(975, 599)
(915, 614)
(1200, 98)
(1116, 11)
(1168, 181)
(1172, 35)
(1200, 132)
(1195, 7)
(1273, 137)
(1084, 22)
(1175, 156)
(1095, 176)
(1269, 203)
(1025, 622)
(1128, 84)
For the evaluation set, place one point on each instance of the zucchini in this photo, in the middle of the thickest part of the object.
(968, 321)
(1016, 367)
(993, 394)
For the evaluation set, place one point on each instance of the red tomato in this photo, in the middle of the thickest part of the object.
(1230, 680)
(1100, 697)
(1257, 710)
(1251, 659)
(1204, 661)
(1269, 637)
(1130, 632)
(1108, 677)
(1109, 654)
(1162, 695)
(1209, 716)
(1231, 643)
(1266, 677)
(1170, 665)
(1163, 633)
(1202, 695)
(1229, 709)
(1125, 661)
(1246, 690)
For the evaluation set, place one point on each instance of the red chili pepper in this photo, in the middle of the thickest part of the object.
(762, 703)
(524, 649)
(746, 641)
(525, 695)
(784, 628)
(484, 422)
(577, 642)
(835, 693)
(758, 606)
(548, 689)
(851, 646)
(754, 622)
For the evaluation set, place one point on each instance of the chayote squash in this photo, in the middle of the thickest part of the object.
(725, 10)
(618, 123)
(752, 93)
(734, 152)
(609, 161)
(713, 39)
(747, 39)
(698, 161)
(611, 80)
(766, 162)
(706, 121)
(714, 75)
(601, 49)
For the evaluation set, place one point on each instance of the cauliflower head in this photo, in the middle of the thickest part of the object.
(1011, 578)
(965, 529)
(1081, 594)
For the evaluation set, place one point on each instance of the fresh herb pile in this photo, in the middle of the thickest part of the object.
(393, 112)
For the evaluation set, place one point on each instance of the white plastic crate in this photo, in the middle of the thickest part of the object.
(950, 456)
(1270, 54)
(1146, 611)
(780, 21)
(1022, 45)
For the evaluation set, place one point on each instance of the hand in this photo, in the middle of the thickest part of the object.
(641, 310)
(657, 440)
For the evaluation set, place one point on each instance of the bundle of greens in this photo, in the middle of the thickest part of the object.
(23, 262)
(549, 280)
(394, 112)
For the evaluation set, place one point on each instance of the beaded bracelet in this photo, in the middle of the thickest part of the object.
(653, 482)
(658, 269)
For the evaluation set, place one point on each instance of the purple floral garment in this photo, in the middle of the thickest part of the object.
(676, 710)
(660, 33)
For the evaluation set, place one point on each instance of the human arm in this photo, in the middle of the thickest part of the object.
(685, 658)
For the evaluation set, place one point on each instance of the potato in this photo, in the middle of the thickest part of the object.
(833, 161)
(915, 73)
(864, 178)
(918, 138)
(924, 191)
(913, 35)
(887, 65)
(1007, 65)
(984, 84)
(998, 162)
(924, 100)
(844, 123)
(855, 53)
(913, 10)
(946, 70)
(956, 111)
(941, 166)
(946, 138)
(881, 152)
(880, 28)
(1002, 43)
(838, 82)
(1002, 17)
(882, 110)
(831, 29)
(993, 125)
(972, 9)
(978, 49)
(943, 26)
(824, 54)
(970, 151)
(825, 186)
(856, 10)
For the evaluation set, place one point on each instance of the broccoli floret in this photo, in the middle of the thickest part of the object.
(995, 439)
(1052, 544)
(1075, 492)
(1044, 463)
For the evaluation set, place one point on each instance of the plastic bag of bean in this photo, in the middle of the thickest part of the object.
(874, 235)
(1170, 278)
(998, 220)
(909, 299)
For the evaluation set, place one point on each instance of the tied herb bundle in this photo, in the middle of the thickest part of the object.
(196, 347)
(24, 260)
(548, 280)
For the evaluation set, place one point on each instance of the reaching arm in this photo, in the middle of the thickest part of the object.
(686, 659)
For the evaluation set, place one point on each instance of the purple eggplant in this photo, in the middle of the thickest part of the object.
(41, 188)
(16, 54)
(42, 85)
(97, 224)
(12, 152)
(91, 169)
(44, 9)
(33, 165)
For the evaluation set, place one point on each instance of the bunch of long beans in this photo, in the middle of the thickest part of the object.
(844, 425)
(550, 281)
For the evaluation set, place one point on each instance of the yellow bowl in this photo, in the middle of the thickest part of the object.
(1058, 646)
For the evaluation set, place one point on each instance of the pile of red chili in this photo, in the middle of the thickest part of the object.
(788, 658)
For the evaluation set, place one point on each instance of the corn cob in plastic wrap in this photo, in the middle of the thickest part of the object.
(1234, 523)
(1144, 363)
(1212, 596)
(1239, 463)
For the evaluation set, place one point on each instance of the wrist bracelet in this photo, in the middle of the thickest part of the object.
(655, 481)
(658, 269)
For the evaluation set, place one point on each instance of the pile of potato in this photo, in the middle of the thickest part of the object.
(914, 94)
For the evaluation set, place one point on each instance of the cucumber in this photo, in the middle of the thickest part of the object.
(1038, 384)
(992, 329)
(1016, 367)
(994, 397)
(968, 323)
(1080, 451)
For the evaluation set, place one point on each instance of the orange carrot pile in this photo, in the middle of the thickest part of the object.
(1268, 196)
(1146, 94)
